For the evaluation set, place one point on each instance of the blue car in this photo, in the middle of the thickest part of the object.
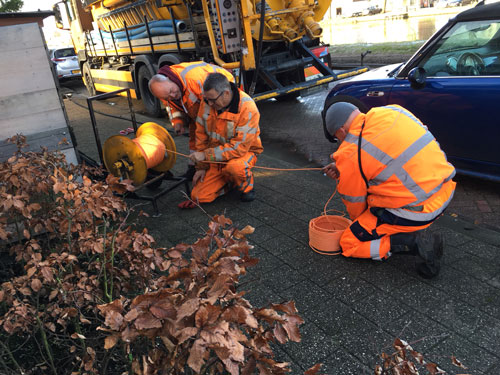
(452, 84)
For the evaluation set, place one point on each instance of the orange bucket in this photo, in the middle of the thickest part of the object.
(325, 232)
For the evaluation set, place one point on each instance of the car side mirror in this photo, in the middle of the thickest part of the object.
(417, 78)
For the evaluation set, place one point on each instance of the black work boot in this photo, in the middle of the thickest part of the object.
(430, 251)
(189, 173)
(248, 197)
(404, 243)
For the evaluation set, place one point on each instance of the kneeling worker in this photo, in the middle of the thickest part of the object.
(394, 180)
(227, 130)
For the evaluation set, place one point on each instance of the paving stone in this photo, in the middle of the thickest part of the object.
(494, 370)
(476, 360)
(281, 244)
(487, 335)
(418, 330)
(366, 343)
(421, 296)
(349, 288)
(267, 263)
(380, 307)
(344, 363)
(467, 289)
(322, 269)
(388, 279)
(453, 237)
(476, 267)
(314, 347)
(283, 278)
(306, 295)
(263, 234)
(292, 226)
(260, 294)
(483, 250)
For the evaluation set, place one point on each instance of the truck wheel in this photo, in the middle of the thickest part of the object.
(151, 103)
(87, 80)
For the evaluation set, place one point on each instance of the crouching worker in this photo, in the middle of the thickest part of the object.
(227, 131)
(394, 180)
(179, 88)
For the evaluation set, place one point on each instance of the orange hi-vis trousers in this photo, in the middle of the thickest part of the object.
(237, 171)
(368, 238)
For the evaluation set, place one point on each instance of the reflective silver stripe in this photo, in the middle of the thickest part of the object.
(395, 167)
(189, 68)
(218, 153)
(437, 188)
(176, 114)
(230, 129)
(232, 148)
(407, 114)
(193, 97)
(375, 249)
(245, 99)
(370, 149)
(418, 216)
(217, 136)
(354, 199)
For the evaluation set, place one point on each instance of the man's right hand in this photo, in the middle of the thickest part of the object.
(179, 128)
(331, 171)
(199, 176)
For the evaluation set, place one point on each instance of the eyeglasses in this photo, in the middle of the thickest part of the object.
(212, 101)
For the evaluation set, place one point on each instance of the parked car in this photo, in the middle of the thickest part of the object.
(452, 84)
(65, 63)
(371, 10)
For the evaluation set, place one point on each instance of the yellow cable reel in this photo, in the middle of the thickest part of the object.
(131, 158)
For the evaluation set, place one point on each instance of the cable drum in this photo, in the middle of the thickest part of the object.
(325, 232)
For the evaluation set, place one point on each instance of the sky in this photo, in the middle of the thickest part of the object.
(34, 5)
(54, 37)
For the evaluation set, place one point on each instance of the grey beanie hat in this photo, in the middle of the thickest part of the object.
(337, 114)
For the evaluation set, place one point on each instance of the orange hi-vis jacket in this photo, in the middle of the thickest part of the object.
(406, 171)
(192, 75)
(232, 133)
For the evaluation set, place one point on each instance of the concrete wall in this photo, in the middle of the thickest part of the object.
(29, 99)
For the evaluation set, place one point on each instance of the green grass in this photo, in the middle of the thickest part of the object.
(403, 48)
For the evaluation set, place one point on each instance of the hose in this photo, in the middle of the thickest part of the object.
(259, 47)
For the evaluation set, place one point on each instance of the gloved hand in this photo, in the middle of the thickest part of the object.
(186, 204)
(197, 156)
(199, 176)
(331, 171)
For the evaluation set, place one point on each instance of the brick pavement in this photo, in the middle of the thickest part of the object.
(353, 309)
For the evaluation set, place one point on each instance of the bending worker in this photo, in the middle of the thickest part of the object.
(394, 180)
(179, 87)
(227, 130)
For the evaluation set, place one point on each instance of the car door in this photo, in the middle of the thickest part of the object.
(460, 102)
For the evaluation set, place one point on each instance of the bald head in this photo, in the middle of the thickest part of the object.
(163, 88)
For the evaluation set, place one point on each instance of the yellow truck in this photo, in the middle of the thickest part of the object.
(266, 43)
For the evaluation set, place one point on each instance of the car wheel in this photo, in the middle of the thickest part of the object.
(87, 80)
(151, 103)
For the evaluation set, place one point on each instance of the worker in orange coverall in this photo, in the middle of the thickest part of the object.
(227, 131)
(180, 88)
(393, 178)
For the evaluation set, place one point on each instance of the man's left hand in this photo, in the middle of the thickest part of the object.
(197, 156)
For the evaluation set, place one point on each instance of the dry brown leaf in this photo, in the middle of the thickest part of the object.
(147, 321)
(110, 341)
(196, 355)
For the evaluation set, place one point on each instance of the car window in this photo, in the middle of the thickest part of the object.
(66, 52)
(467, 49)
